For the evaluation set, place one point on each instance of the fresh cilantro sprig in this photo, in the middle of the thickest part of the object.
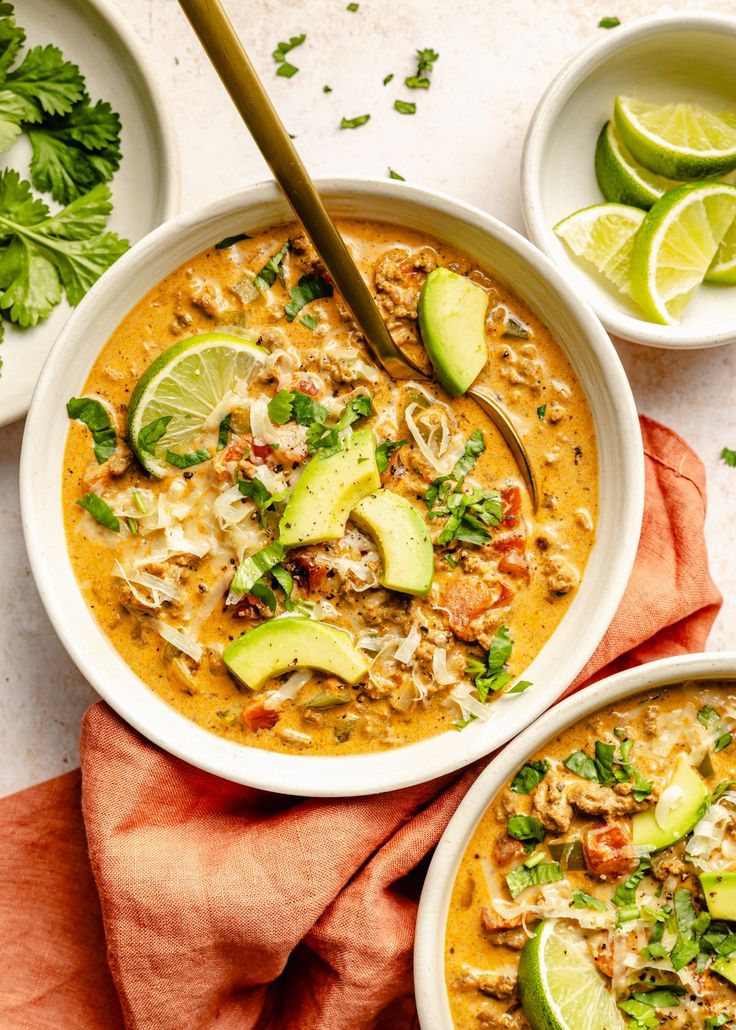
(608, 770)
(425, 63)
(43, 254)
(490, 675)
(469, 516)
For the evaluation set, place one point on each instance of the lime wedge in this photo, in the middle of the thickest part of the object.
(604, 235)
(560, 986)
(187, 384)
(676, 245)
(723, 269)
(621, 178)
(681, 141)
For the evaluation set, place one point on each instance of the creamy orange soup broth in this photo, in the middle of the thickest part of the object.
(170, 565)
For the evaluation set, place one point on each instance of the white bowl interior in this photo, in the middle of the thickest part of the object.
(429, 957)
(621, 487)
(661, 60)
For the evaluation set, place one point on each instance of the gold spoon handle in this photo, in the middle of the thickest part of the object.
(226, 52)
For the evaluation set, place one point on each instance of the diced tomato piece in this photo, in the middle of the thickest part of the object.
(506, 849)
(514, 564)
(240, 446)
(511, 500)
(305, 568)
(248, 607)
(307, 386)
(260, 452)
(508, 542)
(607, 850)
(257, 717)
(465, 599)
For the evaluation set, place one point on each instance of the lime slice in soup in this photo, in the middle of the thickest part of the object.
(678, 239)
(560, 986)
(681, 141)
(603, 234)
(182, 394)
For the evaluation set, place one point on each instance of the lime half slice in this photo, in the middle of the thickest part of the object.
(681, 141)
(186, 385)
(604, 235)
(560, 987)
(676, 244)
(621, 178)
(723, 269)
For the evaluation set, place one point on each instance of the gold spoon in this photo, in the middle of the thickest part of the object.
(224, 49)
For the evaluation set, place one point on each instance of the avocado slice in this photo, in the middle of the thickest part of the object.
(726, 967)
(720, 893)
(403, 541)
(294, 642)
(452, 312)
(328, 490)
(693, 801)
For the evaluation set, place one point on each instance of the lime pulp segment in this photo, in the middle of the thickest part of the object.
(621, 178)
(603, 234)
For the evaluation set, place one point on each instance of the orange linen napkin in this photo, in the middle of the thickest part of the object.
(225, 907)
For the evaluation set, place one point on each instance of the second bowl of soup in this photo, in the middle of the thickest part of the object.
(266, 554)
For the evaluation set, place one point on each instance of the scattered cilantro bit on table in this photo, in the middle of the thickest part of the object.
(609, 23)
(352, 7)
(388, 78)
(355, 123)
(405, 107)
(395, 175)
(327, 89)
(729, 457)
(285, 68)
(425, 63)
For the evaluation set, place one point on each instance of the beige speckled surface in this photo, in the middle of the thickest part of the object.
(495, 60)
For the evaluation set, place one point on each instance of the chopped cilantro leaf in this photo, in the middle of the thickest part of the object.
(526, 828)
(609, 23)
(150, 434)
(263, 499)
(529, 777)
(185, 461)
(387, 78)
(355, 123)
(309, 321)
(395, 175)
(327, 89)
(268, 274)
(708, 716)
(96, 419)
(729, 456)
(520, 687)
(386, 450)
(541, 412)
(253, 567)
(223, 433)
(405, 107)
(352, 7)
(427, 57)
(521, 877)
(279, 407)
(310, 287)
(100, 511)
(582, 900)
(489, 676)
(286, 69)
(230, 241)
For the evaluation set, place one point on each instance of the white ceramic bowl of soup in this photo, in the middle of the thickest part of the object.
(429, 950)
(661, 59)
(621, 485)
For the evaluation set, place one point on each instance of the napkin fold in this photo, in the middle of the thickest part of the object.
(145, 893)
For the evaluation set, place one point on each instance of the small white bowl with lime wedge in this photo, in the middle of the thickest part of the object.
(429, 950)
(663, 60)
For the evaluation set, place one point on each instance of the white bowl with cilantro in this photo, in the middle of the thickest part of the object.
(621, 484)
(695, 671)
(85, 124)
(654, 62)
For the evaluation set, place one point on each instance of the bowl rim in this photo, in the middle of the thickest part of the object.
(169, 165)
(429, 978)
(312, 775)
(551, 103)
